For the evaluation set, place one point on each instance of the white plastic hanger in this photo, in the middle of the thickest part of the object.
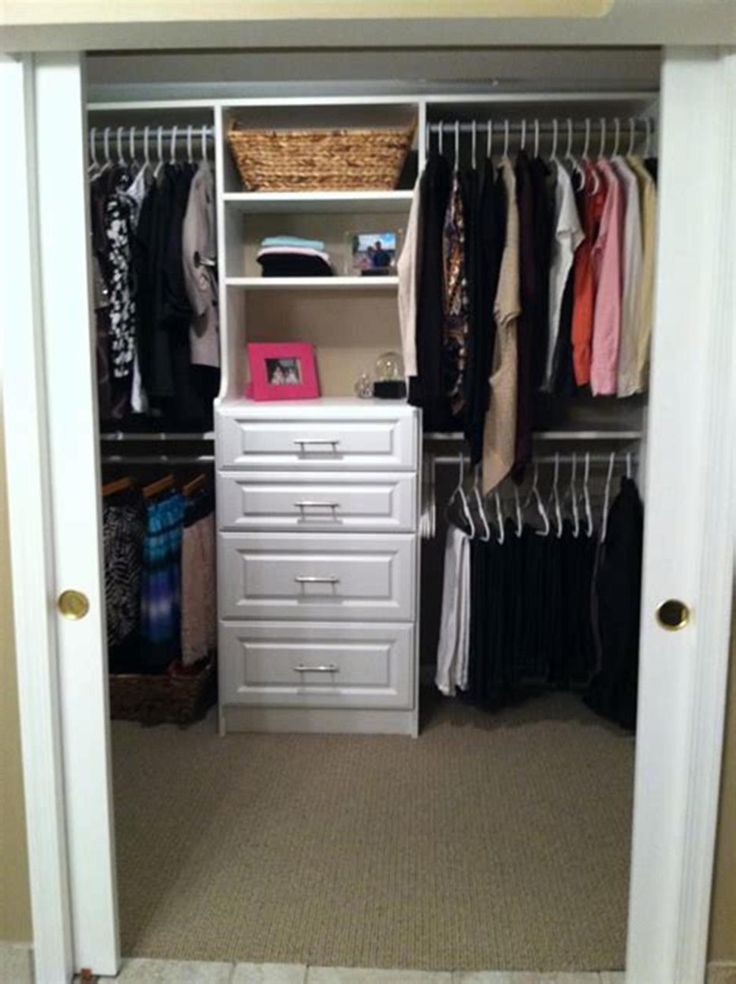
(131, 144)
(106, 148)
(570, 157)
(485, 536)
(553, 152)
(555, 496)
(489, 142)
(534, 493)
(174, 131)
(499, 517)
(190, 153)
(506, 138)
(536, 137)
(159, 151)
(440, 136)
(632, 135)
(94, 166)
(586, 159)
(146, 158)
(607, 496)
(457, 146)
(473, 139)
(574, 497)
(522, 144)
(121, 157)
(463, 500)
(519, 518)
(616, 135)
(628, 464)
(602, 149)
(590, 526)
(204, 144)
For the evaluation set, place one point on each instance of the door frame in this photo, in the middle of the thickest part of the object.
(678, 750)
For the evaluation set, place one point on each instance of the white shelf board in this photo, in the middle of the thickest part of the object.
(314, 283)
(254, 202)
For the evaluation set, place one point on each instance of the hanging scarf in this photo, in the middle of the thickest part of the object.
(455, 328)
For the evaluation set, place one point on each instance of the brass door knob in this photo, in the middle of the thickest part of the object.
(673, 614)
(73, 605)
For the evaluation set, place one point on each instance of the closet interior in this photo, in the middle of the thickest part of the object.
(459, 564)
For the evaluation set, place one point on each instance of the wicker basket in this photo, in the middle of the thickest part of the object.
(320, 160)
(164, 698)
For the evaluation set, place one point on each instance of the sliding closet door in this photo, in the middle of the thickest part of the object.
(74, 480)
(688, 537)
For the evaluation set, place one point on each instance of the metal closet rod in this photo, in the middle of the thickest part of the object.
(642, 124)
(546, 459)
(158, 459)
(137, 132)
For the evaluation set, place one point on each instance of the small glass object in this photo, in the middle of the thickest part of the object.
(364, 386)
(389, 372)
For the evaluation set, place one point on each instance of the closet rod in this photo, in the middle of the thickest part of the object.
(545, 459)
(158, 459)
(154, 436)
(561, 435)
(166, 133)
(546, 126)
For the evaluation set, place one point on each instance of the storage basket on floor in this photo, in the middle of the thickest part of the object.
(320, 160)
(164, 698)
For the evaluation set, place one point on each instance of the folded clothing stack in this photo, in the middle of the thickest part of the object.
(289, 256)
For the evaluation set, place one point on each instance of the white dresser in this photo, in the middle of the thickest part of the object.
(317, 505)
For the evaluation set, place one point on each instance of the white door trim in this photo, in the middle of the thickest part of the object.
(682, 682)
(29, 503)
(679, 747)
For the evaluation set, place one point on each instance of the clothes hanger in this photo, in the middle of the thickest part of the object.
(94, 166)
(555, 496)
(472, 146)
(119, 485)
(190, 154)
(628, 464)
(602, 149)
(534, 493)
(499, 517)
(146, 158)
(522, 142)
(607, 497)
(506, 138)
(586, 159)
(485, 536)
(196, 485)
(573, 491)
(536, 137)
(590, 526)
(204, 145)
(570, 157)
(630, 151)
(107, 164)
(457, 146)
(459, 490)
(440, 137)
(647, 144)
(489, 143)
(121, 157)
(519, 519)
(159, 486)
(172, 158)
(159, 151)
(553, 153)
(617, 135)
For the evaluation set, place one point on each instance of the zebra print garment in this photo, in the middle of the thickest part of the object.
(124, 530)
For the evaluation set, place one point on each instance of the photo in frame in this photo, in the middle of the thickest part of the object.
(282, 371)
(373, 254)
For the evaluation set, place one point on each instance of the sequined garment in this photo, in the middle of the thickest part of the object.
(455, 328)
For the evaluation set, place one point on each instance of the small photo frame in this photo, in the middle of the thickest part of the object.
(373, 254)
(282, 371)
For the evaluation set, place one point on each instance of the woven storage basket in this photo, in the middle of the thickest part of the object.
(320, 160)
(163, 698)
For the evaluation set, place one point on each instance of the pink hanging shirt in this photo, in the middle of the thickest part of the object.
(607, 274)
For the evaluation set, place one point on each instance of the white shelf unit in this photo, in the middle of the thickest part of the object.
(314, 283)
(316, 202)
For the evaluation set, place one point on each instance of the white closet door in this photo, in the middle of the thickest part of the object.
(75, 500)
(689, 513)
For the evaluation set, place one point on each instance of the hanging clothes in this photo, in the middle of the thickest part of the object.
(648, 202)
(631, 312)
(123, 535)
(161, 583)
(499, 437)
(608, 279)
(199, 249)
(527, 328)
(613, 691)
(427, 389)
(198, 583)
(456, 328)
(590, 200)
(454, 643)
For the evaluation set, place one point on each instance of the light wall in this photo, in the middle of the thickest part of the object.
(15, 913)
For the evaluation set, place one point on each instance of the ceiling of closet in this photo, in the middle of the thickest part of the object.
(171, 75)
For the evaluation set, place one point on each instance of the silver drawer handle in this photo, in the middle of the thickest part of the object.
(314, 504)
(306, 441)
(322, 668)
(316, 579)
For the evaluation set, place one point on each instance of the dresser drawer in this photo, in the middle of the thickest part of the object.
(383, 439)
(311, 576)
(307, 664)
(348, 502)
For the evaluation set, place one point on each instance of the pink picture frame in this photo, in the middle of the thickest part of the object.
(282, 371)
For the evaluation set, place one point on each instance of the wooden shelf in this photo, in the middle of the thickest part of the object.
(314, 283)
(318, 201)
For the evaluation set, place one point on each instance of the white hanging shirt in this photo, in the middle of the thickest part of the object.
(631, 288)
(453, 649)
(568, 234)
(408, 273)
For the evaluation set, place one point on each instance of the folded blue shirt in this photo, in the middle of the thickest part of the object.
(272, 241)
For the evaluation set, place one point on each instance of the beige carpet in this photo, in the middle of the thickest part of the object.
(490, 842)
